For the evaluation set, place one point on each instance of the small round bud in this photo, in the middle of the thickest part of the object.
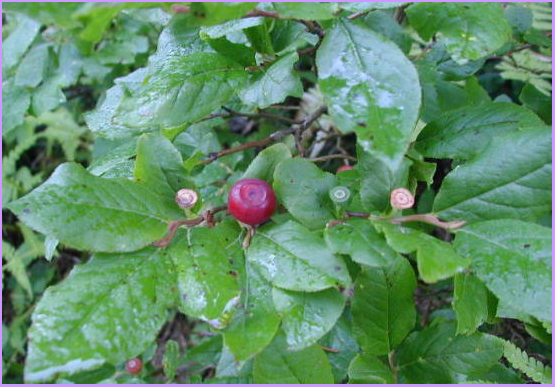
(401, 199)
(340, 194)
(186, 198)
(134, 366)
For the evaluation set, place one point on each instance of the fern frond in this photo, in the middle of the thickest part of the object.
(541, 13)
(528, 365)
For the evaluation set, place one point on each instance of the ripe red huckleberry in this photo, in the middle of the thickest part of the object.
(134, 366)
(251, 201)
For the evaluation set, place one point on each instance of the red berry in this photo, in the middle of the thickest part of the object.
(344, 168)
(251, 201)
(134, 366)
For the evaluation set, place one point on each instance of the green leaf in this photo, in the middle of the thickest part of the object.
(468, 31)
(385, 24)
(221, 30)
(293, 258)
(464, 133)
(181, 90)
(16, 264)
(315, 11)
(208, 14)
(159, 165)
(106, 311)
(359, 239)
(50, 244)
(288, 35)
(19, 40)
(369, 369)
(92, 213)
(306, 317)
(510, 179)
(379, 178)
(170, 359)
(370, 88)
(520, 18)
(278, 365)
(304, 190)
(33, 67)
(529, 365)
(15, 102)
(436, 355)
(275, 84)
(264, 164)
(208, 288)
(101, 120)
(369, 5)
(259, 39)
(513, 259)
(47, 13)
(473, 303)
(436, 259)
(254, 327)
(341, 339)
(383, 306)
(537, 101)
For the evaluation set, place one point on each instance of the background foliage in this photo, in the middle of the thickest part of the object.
(110, 108)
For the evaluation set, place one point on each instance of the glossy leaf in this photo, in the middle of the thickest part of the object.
(92, 213)
(473, 303)
(278, 365)
(360, 6)
(159, 165)
(274, 85)
(468, 32)
(288, 35)
(464, 133)
(341, 339)
(383, 306)
(513, 259)
(181, 90)
(534, 99)
(436, 355)
(254, 327)
(436, 259)
(293, 258)
(264, 164)
(370, 88)
(306, 317)
(510, 179)
(107, 311)
(379, 179)
(317, 11)
(15, 102)
(18, 41)
(221, 30)
(207, 286)
(32, 68)
(369, 369)
(385, 24)
(359, 239)
(304, 190)
(208, 14)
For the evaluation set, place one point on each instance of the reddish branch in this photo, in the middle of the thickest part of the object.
(424, 218)
(276, 136)
(208, 216)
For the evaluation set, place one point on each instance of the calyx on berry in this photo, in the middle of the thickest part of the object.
(251, 201)
(186, 198)
(134, 366)
(401, 198)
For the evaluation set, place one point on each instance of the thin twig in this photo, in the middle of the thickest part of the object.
(424, 218)
(258, 12)
(276, 136)
(260, 114)
(328, 349)
(329, 157)
(175, 224)
(357, 15)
